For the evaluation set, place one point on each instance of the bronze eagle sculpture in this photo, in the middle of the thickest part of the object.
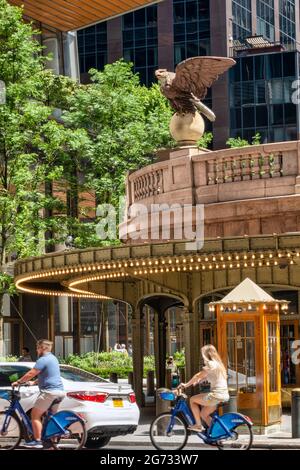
(189, 84)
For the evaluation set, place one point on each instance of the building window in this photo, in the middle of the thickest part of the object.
(92, 47)
(288, 334)
(241, 19)
(265, 19)
(191, 29)
(287, 22)
(261, 97)
(140, 42)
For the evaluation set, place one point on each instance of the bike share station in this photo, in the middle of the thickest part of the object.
(248, 326)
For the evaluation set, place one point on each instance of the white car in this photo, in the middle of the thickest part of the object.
(109, 409)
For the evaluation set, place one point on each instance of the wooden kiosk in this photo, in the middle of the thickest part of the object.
(248, 333)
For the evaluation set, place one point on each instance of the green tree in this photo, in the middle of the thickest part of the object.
(205, 140)
(108, 128)
(35, 149)
(126, 123)
(237, 142)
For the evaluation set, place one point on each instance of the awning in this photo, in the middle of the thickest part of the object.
(247, 291)
(67, 15)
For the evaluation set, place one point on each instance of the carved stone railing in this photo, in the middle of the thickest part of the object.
(245, 168)
(253, 190)
(191, 177)
(148, 184)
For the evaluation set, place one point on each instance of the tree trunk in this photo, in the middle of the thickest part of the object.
(3, 239)
(2, 352)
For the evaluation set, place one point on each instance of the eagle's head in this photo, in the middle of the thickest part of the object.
(163, 76)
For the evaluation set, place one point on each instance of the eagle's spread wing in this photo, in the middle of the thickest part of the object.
(197, 74)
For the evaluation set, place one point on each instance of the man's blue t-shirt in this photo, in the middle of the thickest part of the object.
(49, 377)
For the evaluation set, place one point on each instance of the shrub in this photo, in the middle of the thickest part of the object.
(237, 142)
(205, 140)
(104, 363)
(9, 359)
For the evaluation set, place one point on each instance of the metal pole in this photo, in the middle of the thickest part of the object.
(295, 411)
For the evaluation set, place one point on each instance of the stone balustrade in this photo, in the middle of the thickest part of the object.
(190, 176)
(249, 190)
(148, 184)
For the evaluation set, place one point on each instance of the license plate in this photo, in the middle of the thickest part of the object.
(118, 403)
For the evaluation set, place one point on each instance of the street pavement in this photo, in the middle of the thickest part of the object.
(141, 439)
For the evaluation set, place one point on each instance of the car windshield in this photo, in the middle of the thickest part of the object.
(11, 373)
(79, 375)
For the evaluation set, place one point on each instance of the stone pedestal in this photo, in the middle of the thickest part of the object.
(187, 129)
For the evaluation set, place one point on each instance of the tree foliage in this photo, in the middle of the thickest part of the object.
(35, 149)
(126, 123)
(86, 137)
(205, 141)
(237, 142)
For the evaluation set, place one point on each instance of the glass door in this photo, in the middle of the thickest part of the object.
(240, 348)
(241, 356)
(272, 356)
(288, 335)
(273, 369)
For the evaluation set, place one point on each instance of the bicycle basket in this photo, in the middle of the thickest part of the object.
(6, 395)
(167, 396)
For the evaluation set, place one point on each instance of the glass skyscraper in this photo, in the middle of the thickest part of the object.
(261, 97)
(140, 42)
(265, 19)
(92, 47)
(241, 18)
(191, 29)
(287, 21)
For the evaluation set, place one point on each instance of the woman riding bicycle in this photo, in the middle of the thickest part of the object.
(215, 373)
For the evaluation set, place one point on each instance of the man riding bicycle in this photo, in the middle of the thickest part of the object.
(50, 385)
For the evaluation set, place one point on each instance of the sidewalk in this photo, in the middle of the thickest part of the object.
(277, 440)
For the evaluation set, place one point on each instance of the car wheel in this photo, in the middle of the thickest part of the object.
(96, 442)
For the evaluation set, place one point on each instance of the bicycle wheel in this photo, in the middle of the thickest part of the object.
(74, 439)
(11, 437)
(241, 440)
(168, 432)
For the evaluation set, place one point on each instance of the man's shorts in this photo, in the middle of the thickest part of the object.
(46, 398)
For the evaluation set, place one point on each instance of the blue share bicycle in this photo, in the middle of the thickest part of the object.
(63, 430)
(169, 431)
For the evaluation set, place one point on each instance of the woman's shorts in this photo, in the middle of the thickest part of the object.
(214, 398)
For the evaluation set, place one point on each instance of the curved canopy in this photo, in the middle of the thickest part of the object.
(67, 15)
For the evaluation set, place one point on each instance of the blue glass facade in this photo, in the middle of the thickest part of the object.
(191, 22)
(192, 34)
(265, 17)
(241, 19)
(191, 29)
(261, 97)
(140, 42)
(287, 21)
(92, 47)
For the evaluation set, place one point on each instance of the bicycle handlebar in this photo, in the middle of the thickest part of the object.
(179, 391)
(25, 384)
